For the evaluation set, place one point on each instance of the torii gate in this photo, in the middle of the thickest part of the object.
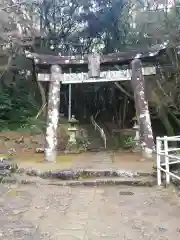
(93, 62)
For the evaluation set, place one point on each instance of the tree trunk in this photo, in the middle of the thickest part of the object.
(142, 110)
(41, 89)
(163, 115)
(53, 114)
(174, 117)
(43, 97)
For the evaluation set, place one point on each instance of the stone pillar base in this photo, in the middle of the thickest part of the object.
(147, 153)
(72, 147)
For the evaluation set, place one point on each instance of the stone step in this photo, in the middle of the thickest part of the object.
(108, 182)
(114, 173)
(140, 181)
(95, 149)
(6, 164)
(80, 173)
(5, 172)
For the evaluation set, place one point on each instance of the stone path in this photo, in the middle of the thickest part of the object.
(109, 213)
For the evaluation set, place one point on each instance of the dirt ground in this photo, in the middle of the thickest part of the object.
(22, 146)
(34, 212)
(99, 160)
(27, 142)
(109, 213)
(21, 142)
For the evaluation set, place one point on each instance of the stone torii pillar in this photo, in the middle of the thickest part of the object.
(142, 110)
(53, 114)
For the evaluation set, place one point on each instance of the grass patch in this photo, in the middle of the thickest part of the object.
(65, 158)
(39, 158)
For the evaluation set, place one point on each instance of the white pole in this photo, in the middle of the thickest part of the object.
(166, 159)
(158, 157)
(69, 103)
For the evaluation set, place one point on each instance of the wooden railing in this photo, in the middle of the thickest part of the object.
(100, 130)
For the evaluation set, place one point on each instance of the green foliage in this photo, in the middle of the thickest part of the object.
(82, 142)
(17, 106)
(35, 126)
(124, 141)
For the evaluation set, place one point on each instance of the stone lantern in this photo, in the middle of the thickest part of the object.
(73, 130)
(137, 135)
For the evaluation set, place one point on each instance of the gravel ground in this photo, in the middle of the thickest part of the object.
(64, 213)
